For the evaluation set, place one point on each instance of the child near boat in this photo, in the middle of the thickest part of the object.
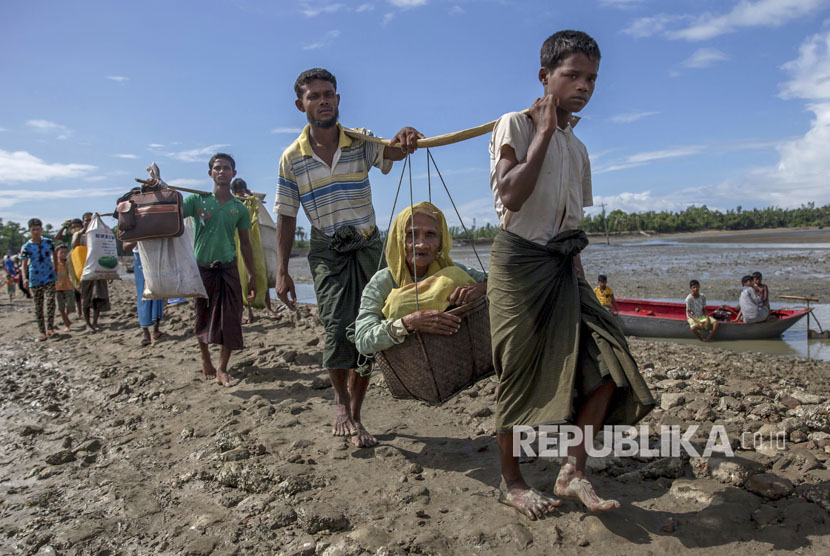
(696, 313)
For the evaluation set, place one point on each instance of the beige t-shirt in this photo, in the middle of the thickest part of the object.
(563, 188)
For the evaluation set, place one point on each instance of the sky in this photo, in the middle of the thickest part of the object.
(702, 102)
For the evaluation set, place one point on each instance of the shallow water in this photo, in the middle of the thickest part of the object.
(658, 269)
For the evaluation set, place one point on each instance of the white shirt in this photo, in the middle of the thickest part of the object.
(563, 187)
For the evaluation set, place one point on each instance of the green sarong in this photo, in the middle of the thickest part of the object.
(341, 266)
(553, 343)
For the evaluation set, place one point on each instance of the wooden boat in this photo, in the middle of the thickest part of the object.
(664, 319)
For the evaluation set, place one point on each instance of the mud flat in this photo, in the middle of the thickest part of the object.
(108, 447)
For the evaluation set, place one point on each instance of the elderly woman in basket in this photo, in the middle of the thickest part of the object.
(388, 307)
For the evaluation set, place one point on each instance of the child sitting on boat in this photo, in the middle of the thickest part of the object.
(696, 313)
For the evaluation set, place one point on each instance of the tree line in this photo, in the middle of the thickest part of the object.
(693, 219)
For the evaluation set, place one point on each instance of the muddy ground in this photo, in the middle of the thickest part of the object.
(108, 447)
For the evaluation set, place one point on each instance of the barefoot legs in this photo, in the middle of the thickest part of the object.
(349, 393)
(514, 491)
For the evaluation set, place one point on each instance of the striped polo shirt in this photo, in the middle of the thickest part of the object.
(332, 197)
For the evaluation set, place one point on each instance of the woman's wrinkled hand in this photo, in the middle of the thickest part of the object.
(432, 322)
(467, 294)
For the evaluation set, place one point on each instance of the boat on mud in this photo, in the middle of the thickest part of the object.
(666, 319)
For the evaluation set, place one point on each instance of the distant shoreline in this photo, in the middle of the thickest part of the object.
(806, 234)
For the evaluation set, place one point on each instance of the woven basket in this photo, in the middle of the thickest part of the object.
(432, 367)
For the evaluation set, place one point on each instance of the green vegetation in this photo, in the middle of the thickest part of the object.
(690, 220)
(13, 235)
(701, 218)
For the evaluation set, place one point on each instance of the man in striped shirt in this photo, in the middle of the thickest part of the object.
(327, 172)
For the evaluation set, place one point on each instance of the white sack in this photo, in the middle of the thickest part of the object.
(102, 254)
(170, 269)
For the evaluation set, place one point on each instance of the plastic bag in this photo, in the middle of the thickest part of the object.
(102, 255)
(259, 258)
(170, 268)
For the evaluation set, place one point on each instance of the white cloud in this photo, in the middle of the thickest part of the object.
(387, 18)
(406, 4)
(631, 117)
(51, 128)
(642, 201)
(745, 14)
(364, 8)
(313, 10)
(763, 13)
(652, 25)
(456, 10)
(11, 198)
(324, 41)
(810, 72)
(2, 129)
(20, 166)
(705, 57)
(128, 156)
(155, 145)
(803, 166)
(118, 78)
(800, 174)
(641, 159)
(196, 155)
(665, 153)
(292, 130)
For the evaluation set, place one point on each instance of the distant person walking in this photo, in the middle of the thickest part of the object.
(38, 273)
(64, 292)
(95, 294)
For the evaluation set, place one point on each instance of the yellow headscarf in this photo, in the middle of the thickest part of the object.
(442, 276)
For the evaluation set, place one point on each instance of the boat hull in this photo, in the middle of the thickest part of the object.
(653, 319)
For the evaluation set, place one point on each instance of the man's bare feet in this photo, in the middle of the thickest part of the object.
(225, 379)
(41, 338)
(527, 501)
(363, 438)
(50, 332)
(157, 335)
(67, 329)
(570, 486)
(208, 370)
(342, 424)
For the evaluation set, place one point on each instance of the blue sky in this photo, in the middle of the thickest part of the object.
(720, 103)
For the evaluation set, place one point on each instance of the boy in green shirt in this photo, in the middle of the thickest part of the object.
(217, 218)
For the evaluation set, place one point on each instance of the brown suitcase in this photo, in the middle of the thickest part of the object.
(150, 214)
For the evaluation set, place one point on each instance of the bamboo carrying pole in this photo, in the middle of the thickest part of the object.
(196, 191)
(438, 140)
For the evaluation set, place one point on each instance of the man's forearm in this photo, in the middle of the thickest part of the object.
(518, 183)
(247, 256)
(286, 226)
